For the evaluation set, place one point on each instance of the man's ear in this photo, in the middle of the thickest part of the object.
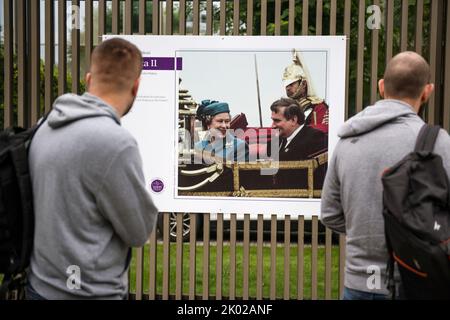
(381, 87)
(88, 79)
(426, 93)
(136, 86)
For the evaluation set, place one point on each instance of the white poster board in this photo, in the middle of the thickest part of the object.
(245, 72)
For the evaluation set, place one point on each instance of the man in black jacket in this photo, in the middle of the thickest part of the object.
(297, 142)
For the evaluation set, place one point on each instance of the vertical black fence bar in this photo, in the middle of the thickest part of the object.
(431, 111)
(128, 17)
(219, 256)
(101, 19)
(347, 20)
(153, 263)
(404, 26)
(166, 257)
(35, 61)
(206, 254)
(182, 18)
(222, 17)
(273, 257)
(169, 17)
(389, 29)
(300, 257)
(374, 65)
(249, 17)
(75, 46)
(139, 272)
(88, 33)
(155, 17)
(115, 12)
(209, 17)
(342, 245)
(196, 17)
(319, 12)
(236, 18)
(49, 53)
(328, 263)
(8, 71)
(192, 256)
(142, 16)
(360, 57)
(263, 30)
(446, 104)
(179, 257)
(287, 257)
(62, 46)
(259, 257)
(333, 11)
(22, 116)
(246, 258)
(419, 27)
(305, 13)
(291, 22)
(277, 17)
(314, 257)
(232, 286)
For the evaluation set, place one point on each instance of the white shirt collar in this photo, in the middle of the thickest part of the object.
(293, 134)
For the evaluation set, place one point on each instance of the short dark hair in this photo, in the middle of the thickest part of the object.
(291, 109)
(406, 75)
(116, 63)
(206, 121)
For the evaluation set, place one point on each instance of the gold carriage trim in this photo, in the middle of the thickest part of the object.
(240, 191)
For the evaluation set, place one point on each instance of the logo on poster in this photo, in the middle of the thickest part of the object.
(157, 185)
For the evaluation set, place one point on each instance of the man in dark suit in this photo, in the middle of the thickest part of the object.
(297, 142)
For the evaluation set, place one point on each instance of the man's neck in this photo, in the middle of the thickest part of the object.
(414, 103)
(113, 100)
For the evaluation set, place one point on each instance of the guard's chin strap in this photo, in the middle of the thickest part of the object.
(301, 91)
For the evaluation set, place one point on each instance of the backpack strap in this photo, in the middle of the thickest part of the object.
(39, 124)
(390, 267)
(426, 138)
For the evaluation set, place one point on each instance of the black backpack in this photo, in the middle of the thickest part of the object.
(16, 210)
(417, 221)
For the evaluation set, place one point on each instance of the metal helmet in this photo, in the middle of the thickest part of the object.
(293, 73)
(297, 71)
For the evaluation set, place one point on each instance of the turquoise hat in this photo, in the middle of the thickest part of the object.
(211, 108)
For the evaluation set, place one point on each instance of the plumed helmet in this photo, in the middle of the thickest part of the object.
(296, 71)
(293, 73)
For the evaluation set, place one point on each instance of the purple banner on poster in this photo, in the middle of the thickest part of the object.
(161, 63)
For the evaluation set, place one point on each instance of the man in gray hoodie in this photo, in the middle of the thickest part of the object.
(90, 199)
(371, 141)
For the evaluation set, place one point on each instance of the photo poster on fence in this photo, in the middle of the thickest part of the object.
(204, 125)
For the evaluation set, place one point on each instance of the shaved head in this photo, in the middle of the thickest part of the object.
(406, 76)
(115, 65)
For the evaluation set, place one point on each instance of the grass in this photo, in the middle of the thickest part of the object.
(239, 271)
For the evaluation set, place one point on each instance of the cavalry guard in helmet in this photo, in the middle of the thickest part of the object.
(298, 85)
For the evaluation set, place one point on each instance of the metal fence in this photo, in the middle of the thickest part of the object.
(239, 266)
(46, 47)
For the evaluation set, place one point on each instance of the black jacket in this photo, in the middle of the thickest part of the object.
(305, 145)
(308, 143)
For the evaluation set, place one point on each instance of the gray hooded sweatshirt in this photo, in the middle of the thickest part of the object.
(90, 201)
(370, 142)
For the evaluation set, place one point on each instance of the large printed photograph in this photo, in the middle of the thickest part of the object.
(252, 123)
(238, 124)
